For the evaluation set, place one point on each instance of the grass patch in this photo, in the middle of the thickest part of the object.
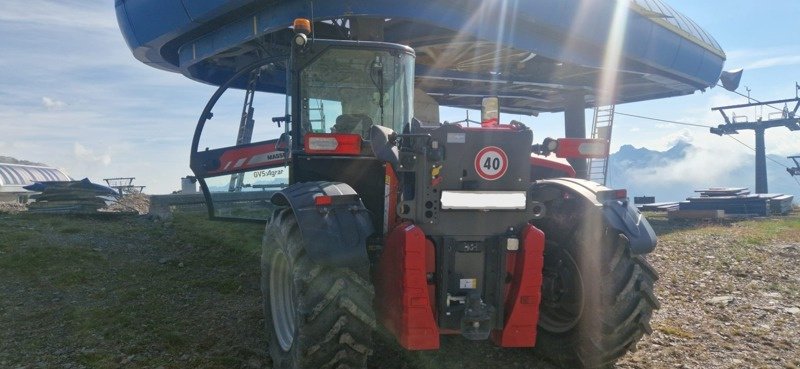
(11, 238)
(197, 230)
(60, 266)
(71, 230)
(217, 244)
(748, 232)
(674, 331)
(95, 359)
(764, 231)
(99, 283)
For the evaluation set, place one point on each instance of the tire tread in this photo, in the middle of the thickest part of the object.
(336, 318)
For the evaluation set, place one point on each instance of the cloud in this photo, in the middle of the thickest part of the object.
(709, 160)
(87, 155)
(82, 14)
(777, 61)
(683, 135)
(768, 57)
(51, 103)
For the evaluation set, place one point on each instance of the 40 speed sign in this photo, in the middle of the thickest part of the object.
(491, 163)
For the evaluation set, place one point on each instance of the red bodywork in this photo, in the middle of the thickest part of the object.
(406, 301)
(545, 167)
(238, 159)
(582, 148)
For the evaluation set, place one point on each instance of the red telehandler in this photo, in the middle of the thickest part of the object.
(425, 228)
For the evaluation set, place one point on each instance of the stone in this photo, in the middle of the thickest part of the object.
(721, 300)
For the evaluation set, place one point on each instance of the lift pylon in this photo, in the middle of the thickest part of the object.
(796, 170)
(787, 118)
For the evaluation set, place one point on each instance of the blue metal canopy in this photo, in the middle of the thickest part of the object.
(530, 53)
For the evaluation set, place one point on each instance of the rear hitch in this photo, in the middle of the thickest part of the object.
(477, 321)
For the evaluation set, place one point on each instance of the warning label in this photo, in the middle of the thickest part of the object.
(491, 163)
(468, 283)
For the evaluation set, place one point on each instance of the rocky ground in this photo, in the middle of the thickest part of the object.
(730, 296)
(112, 291)
(131, 202)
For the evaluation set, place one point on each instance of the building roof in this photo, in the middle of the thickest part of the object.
(14, 176)
(529, 53)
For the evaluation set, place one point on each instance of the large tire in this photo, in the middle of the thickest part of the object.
(597, 298)
(315, 316)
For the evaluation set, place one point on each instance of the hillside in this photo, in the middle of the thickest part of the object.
(111, 292)
(10, 160)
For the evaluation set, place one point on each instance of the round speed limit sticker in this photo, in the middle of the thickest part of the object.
(491, 163)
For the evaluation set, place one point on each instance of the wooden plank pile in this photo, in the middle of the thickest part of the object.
(659, 206)
(648, 203)
(734, 202)
(69, 197)
(779, 203)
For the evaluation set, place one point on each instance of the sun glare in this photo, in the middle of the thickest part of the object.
(607, 89)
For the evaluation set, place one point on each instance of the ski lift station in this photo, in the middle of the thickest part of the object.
(534, 55)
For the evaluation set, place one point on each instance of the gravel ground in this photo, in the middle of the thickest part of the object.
(730, 296)
(126, 291)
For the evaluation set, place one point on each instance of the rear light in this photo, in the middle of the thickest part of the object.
(333, 144)
(323, 200)
(582, 148)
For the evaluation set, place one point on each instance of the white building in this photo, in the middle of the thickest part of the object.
(15, 176)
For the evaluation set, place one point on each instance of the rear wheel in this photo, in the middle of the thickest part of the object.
(597, 298)
(316, 316)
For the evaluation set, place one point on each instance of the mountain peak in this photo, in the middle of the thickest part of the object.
(678, 150)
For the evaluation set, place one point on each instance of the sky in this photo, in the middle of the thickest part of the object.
(73, 96)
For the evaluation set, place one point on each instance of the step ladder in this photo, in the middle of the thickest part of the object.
(320, 109)
(601, 128)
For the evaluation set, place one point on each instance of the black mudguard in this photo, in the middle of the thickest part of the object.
(334, 234)
(619, 215)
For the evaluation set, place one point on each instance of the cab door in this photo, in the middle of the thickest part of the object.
(241, 148)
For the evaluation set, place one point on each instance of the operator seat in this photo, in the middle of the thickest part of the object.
(352, 123)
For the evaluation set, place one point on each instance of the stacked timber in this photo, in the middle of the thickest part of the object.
(659, 206)
(648, 203)
(734, 202)
(644, 200)
(81, 197)
(779, 203)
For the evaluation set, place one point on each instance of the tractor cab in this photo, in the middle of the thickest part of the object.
(337, 91)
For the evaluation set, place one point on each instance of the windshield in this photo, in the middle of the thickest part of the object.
(348, 90)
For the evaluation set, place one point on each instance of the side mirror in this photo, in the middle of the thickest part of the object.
(383, 142)
(284, 142)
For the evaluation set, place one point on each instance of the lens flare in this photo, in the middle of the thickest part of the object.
(607, 89)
